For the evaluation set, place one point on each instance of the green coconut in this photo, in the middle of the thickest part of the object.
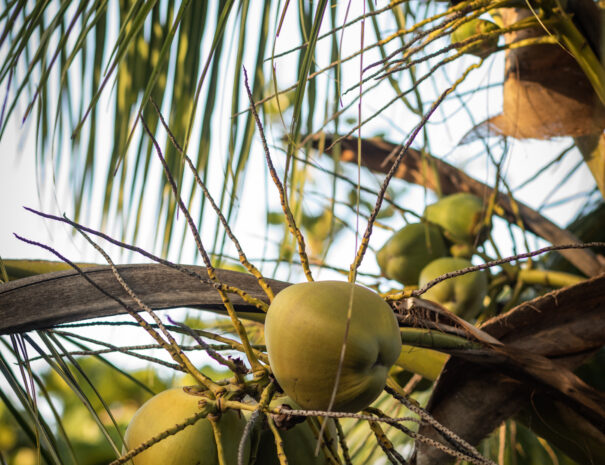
(193, 445)
(409, 250)
(471, 28)
(304, 333)
(461, 216)
(462, 295)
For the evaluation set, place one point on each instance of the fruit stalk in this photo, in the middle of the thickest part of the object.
(279, 443)
(220, 452)
(436, 340)
(548, 278)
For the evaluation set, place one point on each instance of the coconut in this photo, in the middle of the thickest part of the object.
(475, 27)
(461, 216)
(409, 250)
(193, 445)
(305, 330)
(462, 295)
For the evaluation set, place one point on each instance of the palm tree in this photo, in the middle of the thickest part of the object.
(290, 141)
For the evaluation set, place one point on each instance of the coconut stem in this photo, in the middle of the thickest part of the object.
(425, 362)
(220, 451)
(592, 148)
(549, 278)
(436, 340)
(385, 443)
(279, 443)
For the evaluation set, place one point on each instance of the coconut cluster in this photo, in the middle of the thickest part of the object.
(330, 346)
(305, 328)
(444, 241)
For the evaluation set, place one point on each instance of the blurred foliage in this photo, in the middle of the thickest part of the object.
(514, 444)
(87, 445)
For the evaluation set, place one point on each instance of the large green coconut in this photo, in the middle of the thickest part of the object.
(410, 249)
(461, 216)
(462, 295)
(304, 331)
(193, 445)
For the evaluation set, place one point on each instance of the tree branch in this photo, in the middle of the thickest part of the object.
(46, 300)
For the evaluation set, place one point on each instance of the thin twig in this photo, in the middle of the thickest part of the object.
(257, 415)
(427, 417)
(230, 289)
(442, 447)
(230, 364)
(279, 443)
(342, 440)
(386, 445)
(129, 309)
(237, 324)
(250, 424)
(317, 413)
(411, 384)
(258, 348)
(395, 422)
(417, 83)
(114, 349)
(220, 447)
(242, 256)
(304, 259)
(333, 31)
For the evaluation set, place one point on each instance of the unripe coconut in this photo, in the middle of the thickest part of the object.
(304, 332)
(410, 249)
(461, 216)
(473, 27)
(299, 442)
(193, 445)
(462, 295)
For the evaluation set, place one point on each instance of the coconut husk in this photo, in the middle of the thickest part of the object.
(546, 93)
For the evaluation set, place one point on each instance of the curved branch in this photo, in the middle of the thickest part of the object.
(46, 300)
